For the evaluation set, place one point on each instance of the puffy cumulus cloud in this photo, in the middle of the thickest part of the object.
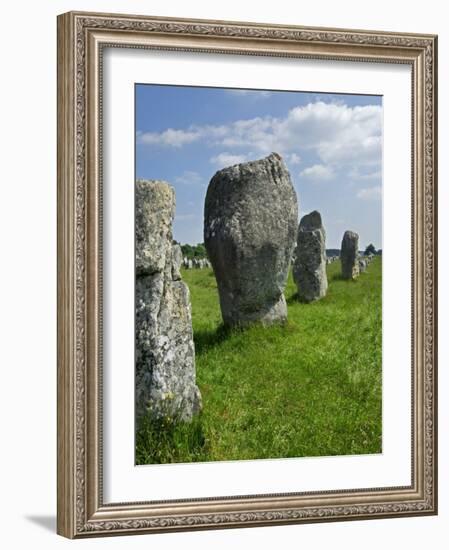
(227, 159)
(339, 135)
(329, 121)
(256, 133)
(317, 172)
(370, 193)
(361, 150)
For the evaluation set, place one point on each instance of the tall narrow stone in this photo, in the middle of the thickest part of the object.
(165, 354)
(250, 221)
(349, 255)
(309, 269)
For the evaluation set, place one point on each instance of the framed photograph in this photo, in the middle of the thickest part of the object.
(247, 274)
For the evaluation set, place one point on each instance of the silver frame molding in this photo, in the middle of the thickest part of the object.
(81, 39)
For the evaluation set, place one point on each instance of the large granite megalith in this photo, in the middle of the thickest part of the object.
(250, 222)
(165, 354)
(349, 255)
(309, 269)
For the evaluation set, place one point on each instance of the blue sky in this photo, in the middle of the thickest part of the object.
(331, 143)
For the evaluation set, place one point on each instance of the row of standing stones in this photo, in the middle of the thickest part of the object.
(196, 263)
(250, 234)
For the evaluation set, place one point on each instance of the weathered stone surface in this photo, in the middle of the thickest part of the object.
(363, 264)
(349, 255)
(165, 354)
(309, 270)
(176, 262)
(153, 225)
(250, 222)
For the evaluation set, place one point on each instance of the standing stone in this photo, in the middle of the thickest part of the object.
(165, 354)
(349, 254)
(250, 218)
(309, 270)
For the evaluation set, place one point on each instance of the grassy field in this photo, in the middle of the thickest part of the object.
(309, 388)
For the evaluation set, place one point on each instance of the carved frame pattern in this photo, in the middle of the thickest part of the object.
(81, 37)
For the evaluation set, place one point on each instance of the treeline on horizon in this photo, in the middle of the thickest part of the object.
(191, 251)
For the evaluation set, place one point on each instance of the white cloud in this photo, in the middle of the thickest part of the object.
(169, 137)
(370, 193)
(317, 172)
(357, 175)
(189, 177)
(340, 136)
(253, 93)
(293, 158)
(227, 159)
(363, 150)
(256, 133)
(337, 133)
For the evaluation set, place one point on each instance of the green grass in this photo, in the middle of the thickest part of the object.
(311, 387)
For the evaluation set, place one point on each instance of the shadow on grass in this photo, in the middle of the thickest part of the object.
(206, 339)
(339, 277)
(293, 299)
(297, 299)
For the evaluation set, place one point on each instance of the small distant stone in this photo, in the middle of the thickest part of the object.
(349, 255)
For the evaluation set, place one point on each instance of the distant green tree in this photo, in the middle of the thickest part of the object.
(370, 249)
(187, 251)
(200, 251)
(190, 251)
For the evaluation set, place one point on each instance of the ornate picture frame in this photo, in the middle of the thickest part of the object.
(82, 38)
